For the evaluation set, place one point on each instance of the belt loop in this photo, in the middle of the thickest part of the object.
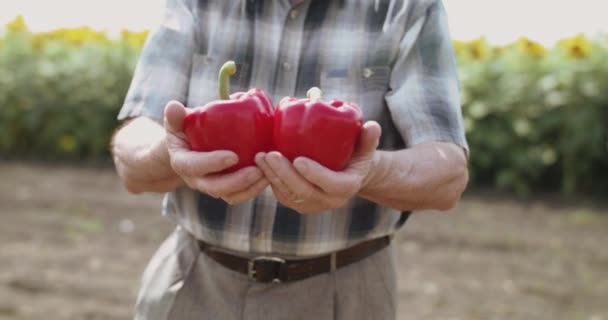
(202, 246)
(332, 261)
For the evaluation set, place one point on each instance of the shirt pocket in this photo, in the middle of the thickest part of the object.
(366, 86)
(204, 79)
(374, 85)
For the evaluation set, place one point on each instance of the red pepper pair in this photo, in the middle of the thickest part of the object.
(246, 123)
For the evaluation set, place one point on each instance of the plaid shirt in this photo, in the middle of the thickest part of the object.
(394, 58)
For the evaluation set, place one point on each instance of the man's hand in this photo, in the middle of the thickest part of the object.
(199, 170)
(308, 187)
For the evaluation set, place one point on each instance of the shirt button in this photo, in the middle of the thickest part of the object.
(286, 66)
(293, 14)
(367, 72)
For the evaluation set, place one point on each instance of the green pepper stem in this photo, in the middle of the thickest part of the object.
(314, 94)
(227, 70)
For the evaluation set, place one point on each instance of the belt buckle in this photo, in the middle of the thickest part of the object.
(252, 273)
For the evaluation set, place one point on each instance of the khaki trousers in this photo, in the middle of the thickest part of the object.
(181, 283)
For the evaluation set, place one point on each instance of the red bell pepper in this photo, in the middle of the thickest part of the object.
(323, 131)
(241, 123)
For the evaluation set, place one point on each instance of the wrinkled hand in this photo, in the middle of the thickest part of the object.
(308, 187)
(199, 170)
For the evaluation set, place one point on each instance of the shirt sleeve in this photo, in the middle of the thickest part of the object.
(162, 73)
(424, 99)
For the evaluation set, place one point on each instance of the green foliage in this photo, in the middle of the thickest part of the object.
(59, 100)
(535, 118)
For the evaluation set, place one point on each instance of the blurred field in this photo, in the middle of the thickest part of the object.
(73, 245)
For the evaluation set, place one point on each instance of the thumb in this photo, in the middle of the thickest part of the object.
(175, 113)
(368, 140)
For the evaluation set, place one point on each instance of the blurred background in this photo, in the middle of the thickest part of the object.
(528, 241)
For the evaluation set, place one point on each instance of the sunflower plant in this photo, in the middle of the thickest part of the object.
(535, 117)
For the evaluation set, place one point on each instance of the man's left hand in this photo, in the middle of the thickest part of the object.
(308, 187)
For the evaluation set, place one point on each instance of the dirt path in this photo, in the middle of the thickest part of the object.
(73, 245)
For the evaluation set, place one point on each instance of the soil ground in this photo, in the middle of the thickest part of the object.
(73, 245)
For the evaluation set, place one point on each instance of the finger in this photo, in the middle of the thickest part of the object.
(307, 207)
(198, 164)
(329, 181)
(225, 184)
(175, 113)
(287, 174)
(259, 158)
(368, 140)
(176, 142)
(285, 199)
(260, 161)
(250, 193)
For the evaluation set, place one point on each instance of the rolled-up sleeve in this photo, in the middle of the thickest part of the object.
(163, 70)
(424, 99)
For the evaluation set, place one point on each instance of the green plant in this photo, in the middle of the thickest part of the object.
(536, 118)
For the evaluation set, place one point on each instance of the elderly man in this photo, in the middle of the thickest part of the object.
(281, 239)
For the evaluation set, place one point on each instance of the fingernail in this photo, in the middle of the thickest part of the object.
(259, 156)
(230, 161)
(269, 159)
(300, 165)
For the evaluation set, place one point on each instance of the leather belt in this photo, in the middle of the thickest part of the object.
(267, 269)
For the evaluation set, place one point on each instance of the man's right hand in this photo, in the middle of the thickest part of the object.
(199, 170)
